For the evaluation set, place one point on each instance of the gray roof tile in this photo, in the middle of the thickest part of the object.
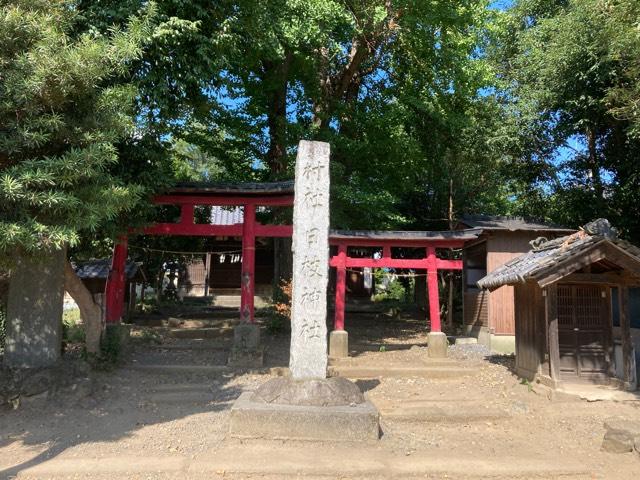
(488, 222)
(547, 254)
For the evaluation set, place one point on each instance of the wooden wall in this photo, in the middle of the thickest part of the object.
(475, 308)
(502, 247)
(529, 329)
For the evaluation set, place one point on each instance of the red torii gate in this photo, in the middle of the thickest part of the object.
(189, 195)
(427, 240)
(280, 194)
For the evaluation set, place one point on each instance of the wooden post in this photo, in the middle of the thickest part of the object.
(186, 214)
(115, 285)
(207, 272)
(432, 288)
(248, 264)
(341, 280)
(551, 308)
(625, 330)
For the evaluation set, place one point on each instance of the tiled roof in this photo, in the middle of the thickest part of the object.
(468, 234)
(245, 188)
(100, 269)
(546, 255)
(488, 222)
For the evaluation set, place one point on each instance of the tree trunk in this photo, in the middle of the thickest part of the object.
(594, 165)
(278, 75)
(90, 311)
(450, 299)
(34, 311)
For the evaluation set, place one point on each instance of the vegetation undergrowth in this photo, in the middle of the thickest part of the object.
(279, 313)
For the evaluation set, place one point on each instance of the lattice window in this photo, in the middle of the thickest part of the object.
(565, 305)
(588, 305)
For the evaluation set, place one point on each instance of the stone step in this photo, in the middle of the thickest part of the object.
(359, 362)
(272, 461)
(387, 347)
(200, 333)
(454, 411)
(206, 369)
(432, 372)
(188, 346)
(465, 341)
(202, 323)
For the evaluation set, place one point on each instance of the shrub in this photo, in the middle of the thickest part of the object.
(280, 312)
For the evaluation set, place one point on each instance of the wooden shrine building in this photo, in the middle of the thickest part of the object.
(565, 292)
(489, 316)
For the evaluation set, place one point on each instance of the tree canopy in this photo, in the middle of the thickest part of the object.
(433, 109)
(64, 107)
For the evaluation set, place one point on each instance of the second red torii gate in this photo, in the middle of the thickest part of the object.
(428, 240)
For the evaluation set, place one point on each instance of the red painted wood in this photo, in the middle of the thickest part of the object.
(224, 200)
(273, 230)
(448, 264)
(194, 230)
(115, 285)
(186, 214)
(419, 263)
(432, 287)
(216, 230)
(341, 282)
(248, 265)
(398, 243)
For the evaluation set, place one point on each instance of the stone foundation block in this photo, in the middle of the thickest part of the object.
(621, 435)
(437, 345)
(250, 419)
(338, 344)
(246, 350)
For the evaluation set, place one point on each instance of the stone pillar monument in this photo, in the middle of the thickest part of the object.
(308, 405)
(308, 357)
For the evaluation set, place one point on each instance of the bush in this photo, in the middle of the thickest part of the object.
(395, 292)
(112, 346)
(280, 312)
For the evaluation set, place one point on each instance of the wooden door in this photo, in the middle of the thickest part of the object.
(583, 332)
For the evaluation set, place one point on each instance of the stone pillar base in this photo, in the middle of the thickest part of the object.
(331, 409)
(339, 344)
(437, 345)
(246, 350)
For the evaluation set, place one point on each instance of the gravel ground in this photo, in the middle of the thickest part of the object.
(136, 414)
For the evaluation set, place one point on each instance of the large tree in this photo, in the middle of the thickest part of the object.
(570, 76)
(65, 104)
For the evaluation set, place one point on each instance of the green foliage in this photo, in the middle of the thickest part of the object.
(112, 346)
(64, 105)
(569, 73)
(72, 330)
(396, 291)
(278, 317)
(394, 86)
